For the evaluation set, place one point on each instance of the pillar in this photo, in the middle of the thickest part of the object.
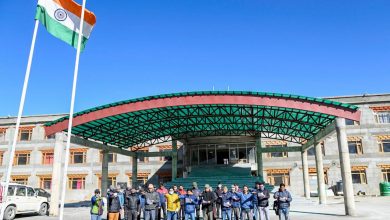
(320, 173)
(174, 160)
(134, 171)
(305, 170)
(259, 157)
(56, 175)
(104, 178)
(345, 164)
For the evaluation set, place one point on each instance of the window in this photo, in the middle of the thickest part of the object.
(20, 191)
(78, 156)
(386, 174)
(278, 176)
(111, 157)
(2, 134)
(312, 152)
(47, 158)
(11, 190)
(25, 133)
(142, 178)
(359, 175)
(384, 145)
(382, 117)
(45, 183)
(166, 148)
(22, 158)
(277, 154)
(20, 179)
(1, 157)
(313, 175)
(351, 122)
(355, 147)
(111, 181)
(30, 192)
(76, 182)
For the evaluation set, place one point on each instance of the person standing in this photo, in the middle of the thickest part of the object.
(246, 199)
(121, 197)
(208, 199)
(226, 204)
(196, 192)
(235, 204)
(114, 205)
(262, 197)
(173, 204)
(162, 191)
(141, 196)
(132, 205)
(218, 202)
(181, 192)
(152, 202)
(96, 206)
(284, 199)
(190, 202)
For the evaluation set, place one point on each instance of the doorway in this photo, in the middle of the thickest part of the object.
(222, 156)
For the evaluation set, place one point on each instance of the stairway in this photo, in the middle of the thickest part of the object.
(213, 175)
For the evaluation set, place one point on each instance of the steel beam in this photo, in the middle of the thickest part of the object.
(320, 136)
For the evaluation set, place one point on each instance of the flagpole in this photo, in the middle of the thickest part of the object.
(76, 70)
(21, 106)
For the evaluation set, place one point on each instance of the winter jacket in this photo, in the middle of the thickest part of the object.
(262, 197)
(218, 193)
(246, 200)
(236, 203)
(132, 202)
(114, 204)
(152, 200)
(190, 202)
(173, 202)
(162, 192)
(226, 200)
(96, 205)
(281, 194)
(208, 198)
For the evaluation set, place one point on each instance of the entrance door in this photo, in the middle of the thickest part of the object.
(222, 155)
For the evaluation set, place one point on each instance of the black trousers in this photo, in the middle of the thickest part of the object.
(164, 209)
(131, 215)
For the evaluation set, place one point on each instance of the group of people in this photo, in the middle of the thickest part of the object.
(176, 203)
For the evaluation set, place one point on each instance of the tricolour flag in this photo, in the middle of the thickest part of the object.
(62, 19)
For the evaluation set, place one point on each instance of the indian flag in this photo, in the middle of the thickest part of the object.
(62, 19)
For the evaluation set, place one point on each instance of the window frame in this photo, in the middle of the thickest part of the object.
(17, 155)
(70, 182)
(358, 147)
(361, 172)
(114, 157)
(44, 154)
(380, 143)
(72, 156)
(42, 181)
(23, 130)
(385, 174)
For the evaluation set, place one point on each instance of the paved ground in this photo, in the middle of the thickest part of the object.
(367, 208)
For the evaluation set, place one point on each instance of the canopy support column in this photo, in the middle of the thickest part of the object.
(320, 173)
(103, 180)
(134, 171)
(174, 160)
(259, 157)
(56, 174)
(345, 163)
(305, 170)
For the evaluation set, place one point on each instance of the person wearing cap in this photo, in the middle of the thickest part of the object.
(162, 191)
(196, 192)
(96, 206)
(235, 204)
(173, 204)
(284, 198)
(208, 199)
(132, 205)
(190, 202)
(246, 199)
(262, 203)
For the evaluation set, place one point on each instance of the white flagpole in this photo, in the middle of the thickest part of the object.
(76, 70)
(21, 106)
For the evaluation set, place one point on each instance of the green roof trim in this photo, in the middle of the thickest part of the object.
(196, 93)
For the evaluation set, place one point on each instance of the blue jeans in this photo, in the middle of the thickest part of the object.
(171, 215)
(283, 213)
(96, 217)
(227, 214)
(150, 214)
(189, 215)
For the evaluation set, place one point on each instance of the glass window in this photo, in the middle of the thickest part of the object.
(277, 177)
(278, 154)
(77, 157)
(359, 176)
(386, 174)
(20, 180)
(21, 191)
(384, 145)
(211, 154)
(111, 157)
(111, 181)
(76, 183)
(2, 134)
(355, 147)
(25, 134)
(45, 183)
(202, 156)
(11, 190)
(30, 192)
(383, 117)
(242, 156)
(22, 159)
(47, 158)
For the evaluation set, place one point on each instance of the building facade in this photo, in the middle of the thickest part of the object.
(368, 142)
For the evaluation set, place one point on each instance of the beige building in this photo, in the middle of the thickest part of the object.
(368, 142)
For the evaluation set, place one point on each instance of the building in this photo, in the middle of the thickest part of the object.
(368, 142)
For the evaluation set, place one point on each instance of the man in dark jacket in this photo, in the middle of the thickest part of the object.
(262, 197)
(218, 202)
(284, 198)
(235, 204)
(152, 201)
(196, 192)
(114, 205)
(132, 205)
(226, 204)
(190, 202)
(208, 199)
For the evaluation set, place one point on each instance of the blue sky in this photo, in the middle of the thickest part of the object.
(146, 47)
